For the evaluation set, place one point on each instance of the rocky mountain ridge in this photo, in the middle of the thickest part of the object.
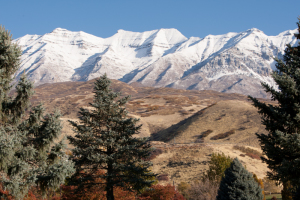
(231, 63)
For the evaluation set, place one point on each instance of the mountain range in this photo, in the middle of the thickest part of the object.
(231, 63)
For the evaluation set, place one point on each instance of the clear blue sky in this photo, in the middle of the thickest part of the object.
(191, 17)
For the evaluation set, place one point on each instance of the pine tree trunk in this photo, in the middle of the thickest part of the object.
(109, 185)
(110, 193)
(285, 192)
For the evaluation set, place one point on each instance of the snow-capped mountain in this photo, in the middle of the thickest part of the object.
(233, 62)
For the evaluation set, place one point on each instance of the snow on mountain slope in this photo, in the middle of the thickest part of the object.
(233, 62)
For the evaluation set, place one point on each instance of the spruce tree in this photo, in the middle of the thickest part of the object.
(238, 183)
(282, 120)
(296, 195)
(104, 141)
(28, 155)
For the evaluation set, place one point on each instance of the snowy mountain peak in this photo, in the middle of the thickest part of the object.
(172, 36)
(232, 62)
(254, 30)
(288, 32)
(120, 31)
(161, 36)
(59, 30)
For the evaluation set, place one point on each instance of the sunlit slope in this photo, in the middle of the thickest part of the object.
(237, 117)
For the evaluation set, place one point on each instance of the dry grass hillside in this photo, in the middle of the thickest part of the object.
(187, 126)
(158, 108)
(187, 162)
(237, 119)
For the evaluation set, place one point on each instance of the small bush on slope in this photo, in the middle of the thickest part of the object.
(223, 135)
(217, 166)
(248, 151)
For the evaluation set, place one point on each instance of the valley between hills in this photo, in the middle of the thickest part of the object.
(186, 125)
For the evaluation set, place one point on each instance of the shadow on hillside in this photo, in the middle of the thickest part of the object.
(173, 131)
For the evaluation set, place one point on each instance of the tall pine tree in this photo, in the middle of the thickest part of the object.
(238, 183)
(104, 141)
(282, 121)
(28, 155)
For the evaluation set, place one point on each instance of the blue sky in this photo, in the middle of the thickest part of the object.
(191, 17)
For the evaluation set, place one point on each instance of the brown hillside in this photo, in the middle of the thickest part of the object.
(173, 116)
(158, 108)
(187, 162)
(238, 118)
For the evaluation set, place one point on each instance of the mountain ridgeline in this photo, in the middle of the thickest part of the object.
(231, 63)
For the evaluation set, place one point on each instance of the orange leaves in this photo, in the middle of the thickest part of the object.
(156, 192)
(94, 192)
(160, 192)
(97, 192)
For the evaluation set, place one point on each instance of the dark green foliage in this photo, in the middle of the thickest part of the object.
(282, 144)
(28, 154)
(238, 183)
(104, 141)
(9, 62)
(296, 195)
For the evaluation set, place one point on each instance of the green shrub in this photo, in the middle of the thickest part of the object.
(217, 166)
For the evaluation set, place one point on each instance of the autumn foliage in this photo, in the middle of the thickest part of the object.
(94, 193)
(160, 192)
(155, 192)
(97, 192)
(4, 194)
(261, 184)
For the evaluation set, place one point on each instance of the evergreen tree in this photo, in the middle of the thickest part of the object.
(104, 140)
(28, 155)
(282, 121)
(296, 195)
(9, 63)
(238, 183)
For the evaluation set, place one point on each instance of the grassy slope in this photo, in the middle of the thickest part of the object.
(168, 113)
